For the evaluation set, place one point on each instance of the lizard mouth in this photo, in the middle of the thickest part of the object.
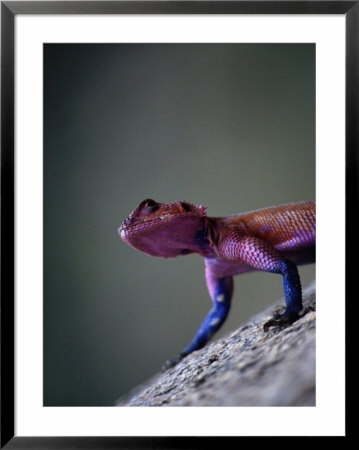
(127, 227)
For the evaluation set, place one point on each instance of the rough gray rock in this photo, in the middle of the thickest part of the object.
(248, 367)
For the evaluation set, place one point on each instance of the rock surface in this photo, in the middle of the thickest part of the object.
(248, 367)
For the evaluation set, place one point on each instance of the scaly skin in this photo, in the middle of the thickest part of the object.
(274, 239)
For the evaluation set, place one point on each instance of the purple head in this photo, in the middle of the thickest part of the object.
(163, 229)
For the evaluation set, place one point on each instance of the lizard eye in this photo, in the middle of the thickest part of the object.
(149, 206)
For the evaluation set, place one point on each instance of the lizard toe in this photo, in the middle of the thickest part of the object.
(171, 363)
(283, 320)
(280, 320)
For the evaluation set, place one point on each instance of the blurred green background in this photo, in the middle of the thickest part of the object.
(228, 126)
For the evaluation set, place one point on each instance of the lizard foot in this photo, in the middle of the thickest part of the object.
(280, 320)
(283, 320)
(172, 362)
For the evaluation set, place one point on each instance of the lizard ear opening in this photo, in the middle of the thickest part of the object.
(189, 207)
(186, 207)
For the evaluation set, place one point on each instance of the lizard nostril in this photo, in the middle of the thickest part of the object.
(122, 231)
(123, 226)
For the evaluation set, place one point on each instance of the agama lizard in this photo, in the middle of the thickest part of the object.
(274, 239)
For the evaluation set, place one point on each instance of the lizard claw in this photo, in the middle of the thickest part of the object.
(280, 320)
(283, 320)
(171, 363)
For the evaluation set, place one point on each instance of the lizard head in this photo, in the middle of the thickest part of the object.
(164, 229)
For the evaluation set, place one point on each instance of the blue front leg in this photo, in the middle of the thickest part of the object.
(221, 290)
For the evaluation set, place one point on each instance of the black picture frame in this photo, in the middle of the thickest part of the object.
(9, 9)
